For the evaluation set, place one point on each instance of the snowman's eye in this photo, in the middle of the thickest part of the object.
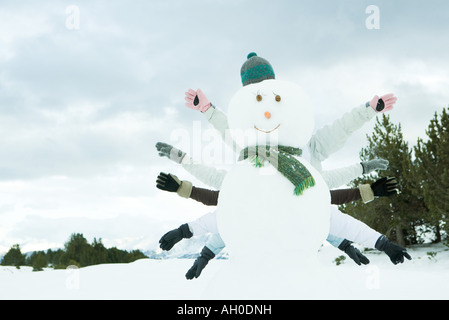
(259, 97)
(278, 98)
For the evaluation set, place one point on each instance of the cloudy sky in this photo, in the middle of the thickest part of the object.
(87, 88)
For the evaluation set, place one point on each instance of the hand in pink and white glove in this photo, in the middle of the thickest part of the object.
(384, 103)
(196, 100)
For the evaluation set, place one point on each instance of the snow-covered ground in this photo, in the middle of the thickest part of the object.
(424, 277)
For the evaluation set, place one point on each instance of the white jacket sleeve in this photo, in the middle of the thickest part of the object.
(211, 176)
(347, 227)
(208, 224)
(215, 243)
(331, 138)
(219, 121)
(217, 118)
(338, 177)
(204, 224)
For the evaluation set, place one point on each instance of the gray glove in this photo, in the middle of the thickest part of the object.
(376, 164)
(167, 150)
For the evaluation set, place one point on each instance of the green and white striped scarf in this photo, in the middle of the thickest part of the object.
(282, 158)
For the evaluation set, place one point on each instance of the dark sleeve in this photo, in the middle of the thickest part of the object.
(205, 196)
(341, 196)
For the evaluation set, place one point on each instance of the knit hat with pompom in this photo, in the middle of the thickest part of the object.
(255, 69)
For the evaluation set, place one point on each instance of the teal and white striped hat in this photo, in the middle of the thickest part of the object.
(255, 69)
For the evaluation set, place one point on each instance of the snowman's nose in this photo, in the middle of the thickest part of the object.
(267, 115)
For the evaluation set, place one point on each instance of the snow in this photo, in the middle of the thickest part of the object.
(420, 278)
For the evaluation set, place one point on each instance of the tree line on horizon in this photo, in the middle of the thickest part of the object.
(77, 252)
(419, 212)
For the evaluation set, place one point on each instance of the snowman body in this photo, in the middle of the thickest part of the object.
(260, 217)
(272, 235)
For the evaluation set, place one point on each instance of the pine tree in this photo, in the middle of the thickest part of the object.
(398, 216)
(75, 251)
(116, 255)
(99, 252)
(39, 262)
(443, 149)
(14, 257)
(432, 169)
(54, 257)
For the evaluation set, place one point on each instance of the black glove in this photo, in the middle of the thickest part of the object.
(385, 187)
(167, 182)
(200, 263)
(172, 237)
(395, 252)
(353, 252)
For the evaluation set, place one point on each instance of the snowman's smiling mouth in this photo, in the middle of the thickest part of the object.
(268, 130)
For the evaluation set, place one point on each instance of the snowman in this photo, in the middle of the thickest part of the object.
(274, 207)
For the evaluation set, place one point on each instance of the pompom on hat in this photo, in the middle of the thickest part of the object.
(255, 69)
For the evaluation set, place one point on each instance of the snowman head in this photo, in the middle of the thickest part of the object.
(271, 112)
(268, 111)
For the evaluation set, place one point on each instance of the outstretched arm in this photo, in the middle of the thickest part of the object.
(331, 138)
(203, 225)
(338, 177)
(170, 182)
(345, 226)
(384, 187)
(197, 100)
(209, 175)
